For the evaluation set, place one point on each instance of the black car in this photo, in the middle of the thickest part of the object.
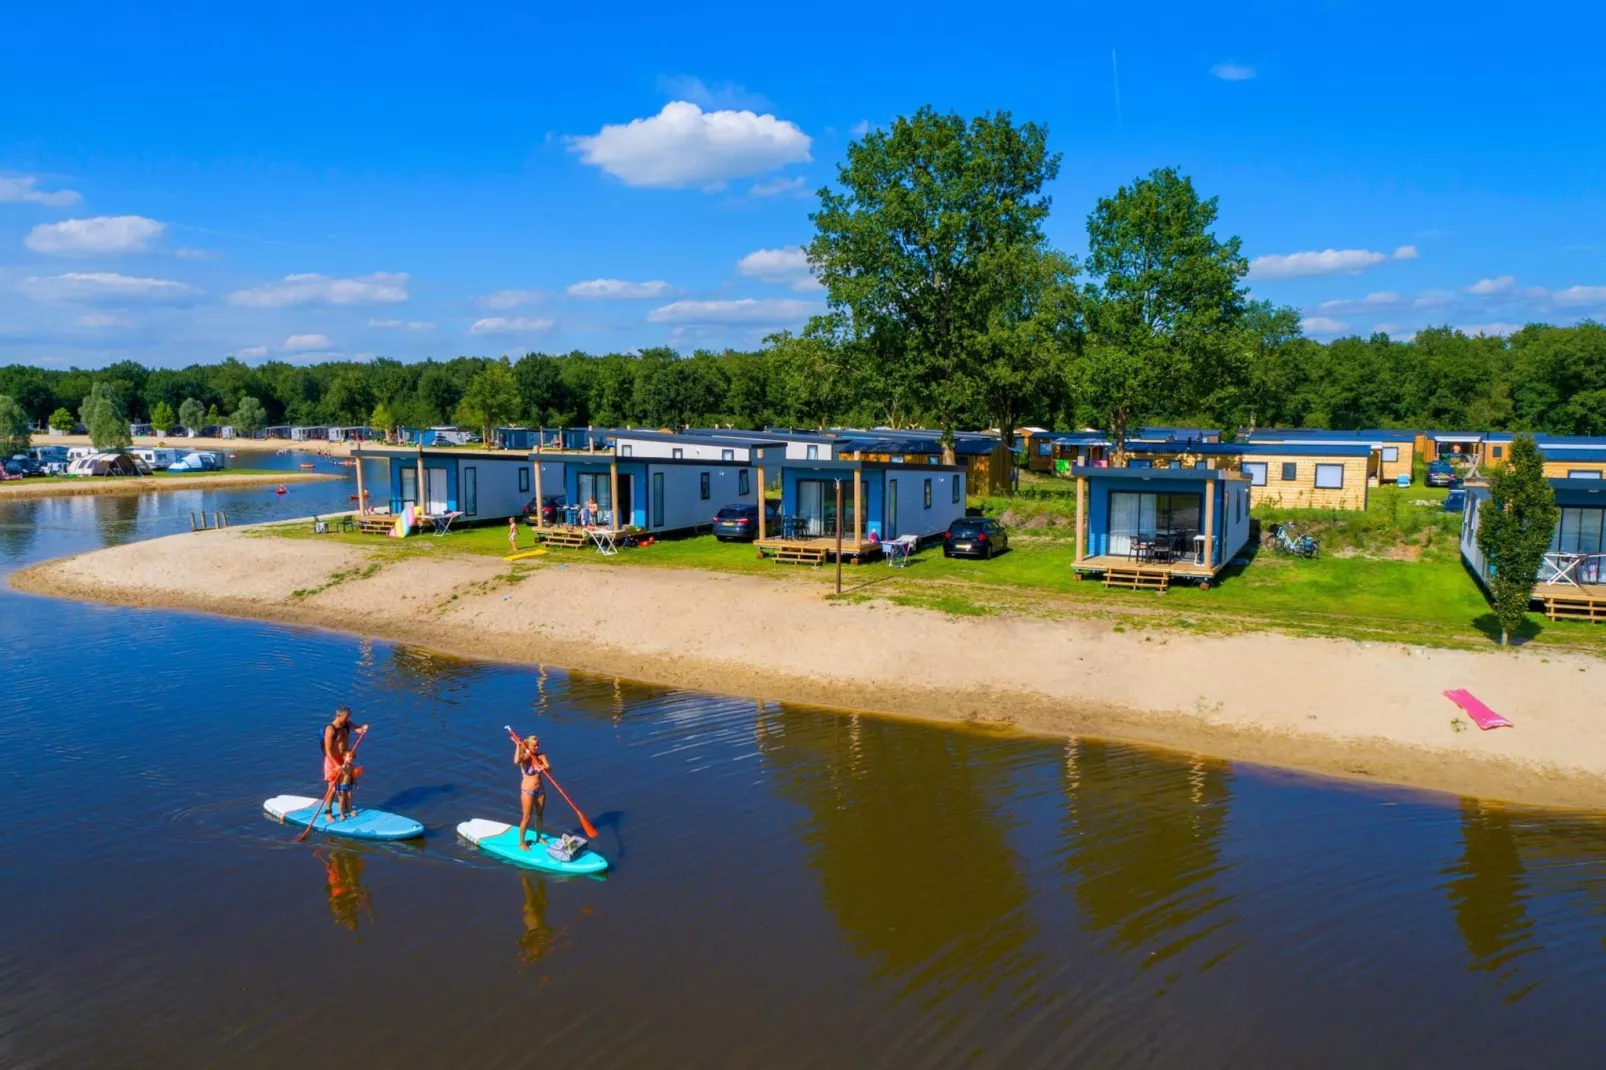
(974, 537)
(24, 466)
(740, 522)
(551, 509)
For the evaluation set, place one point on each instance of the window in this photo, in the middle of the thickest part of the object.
(1237, 508)
(812, 453)
(1256, 471)
(409, 486)
(1044, 449)
(1391, 454)
(928, 494)
(1329, 476)
(1136, 514)
(471, 491)
(1578, 531)
(1140, 462)
(727, 455)
(702, 485)
(657, 499)
(594, 487)
(676, 453)
(627, 450)
(957, 485)
(524, 481)
(1574, 473)
(892, 510)
(1497, 452)
(1290, 471)
(744, 482)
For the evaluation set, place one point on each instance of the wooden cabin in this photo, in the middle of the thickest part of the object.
(1141, 528)
(1291, 475)
(1572, 577)
(1396, 450)
(880, 498)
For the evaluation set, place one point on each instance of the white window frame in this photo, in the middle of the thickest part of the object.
(1577, 473)
(727, 455)
(811, 453)
(1256, 471)
(1329, 469)
(1391, 454)
(676, 453)
(627, 450)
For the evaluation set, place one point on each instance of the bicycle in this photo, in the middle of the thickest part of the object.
(1291, 542)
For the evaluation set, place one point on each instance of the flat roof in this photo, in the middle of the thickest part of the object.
(445, 451)
(1174, 475)
(1237, 449)
(848, 465)
(714, 438)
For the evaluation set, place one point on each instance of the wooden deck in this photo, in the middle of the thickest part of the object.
(1586, 602)
(1133, 575)
(813, 551)
(375, 525)
(563, 537)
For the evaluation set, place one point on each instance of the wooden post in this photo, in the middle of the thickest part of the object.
(192, 521)
(1210, 525)
(858, 513)
(362, 498)
(420, 492)
(838, 536)
(763, 499)
(540, 498)
(1081, 519)
(613, 492)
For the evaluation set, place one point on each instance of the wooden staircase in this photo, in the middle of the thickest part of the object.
(1579, 606)
(795, 554)
(564, 538)
(375, 525)
(1138, 579)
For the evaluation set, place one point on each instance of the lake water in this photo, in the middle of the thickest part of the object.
(792, 888)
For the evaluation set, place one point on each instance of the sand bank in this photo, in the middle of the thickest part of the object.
(1330, 706)
(42, 488)
(224, 445)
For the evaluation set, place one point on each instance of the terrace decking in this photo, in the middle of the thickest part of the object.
(813, 551)
(375, 525)
(1134, 575)
(563, 537)
(1586, 602)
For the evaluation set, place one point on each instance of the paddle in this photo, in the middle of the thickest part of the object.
(586, 825)
(326, 795)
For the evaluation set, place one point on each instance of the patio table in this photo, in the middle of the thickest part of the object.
(607, 540)
(897, 550)
(443, 521)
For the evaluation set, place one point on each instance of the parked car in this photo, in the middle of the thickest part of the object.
(740, 522)
(551, 509)
(1441, 474)
(24, 466)
(974, 537)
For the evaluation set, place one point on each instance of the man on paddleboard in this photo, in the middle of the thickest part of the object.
(336, 769)
(532, 795)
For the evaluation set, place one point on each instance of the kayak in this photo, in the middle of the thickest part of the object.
(363, 824)
(502, 841)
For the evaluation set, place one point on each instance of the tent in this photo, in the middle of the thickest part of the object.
(105, 464)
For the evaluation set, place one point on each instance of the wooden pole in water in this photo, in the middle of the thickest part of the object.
(838, 536)
(362, 499)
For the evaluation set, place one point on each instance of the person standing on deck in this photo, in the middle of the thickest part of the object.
(337, 768)
(532, 795)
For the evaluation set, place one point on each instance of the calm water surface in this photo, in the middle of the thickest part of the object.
(792, 888)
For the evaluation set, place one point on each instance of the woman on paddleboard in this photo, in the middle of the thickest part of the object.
(337, 769)
(532, 796)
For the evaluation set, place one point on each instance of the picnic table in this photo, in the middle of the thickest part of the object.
(607, 540)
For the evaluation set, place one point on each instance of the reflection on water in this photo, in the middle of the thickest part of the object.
(349, 901)
(791, 887)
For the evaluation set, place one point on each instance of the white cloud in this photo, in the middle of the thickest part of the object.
(251, 352)
(1491, 329)
(190, 253)
(24, 189)
(1233, 72)
(504, 299)
(106, 319)
(1323, 325)
(1434, 299)
(1580, 295)
(618, 289)
(303, 343)
(510, 325)
(402, 325)
(1488, 287)
(685, 146)
(747, 310)
(1325, 262)
(779, 187)
(788, 266)
(721, 95)
(861, 128)
(105, 286)
(101, 236)
(1385, 299)
(380, 288)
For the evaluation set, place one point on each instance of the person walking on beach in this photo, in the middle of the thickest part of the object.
(337, 769)
(513, 534)
(532, 795)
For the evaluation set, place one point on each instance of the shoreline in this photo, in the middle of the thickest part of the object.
(99, 485)
(1357, 711)
(225, 445)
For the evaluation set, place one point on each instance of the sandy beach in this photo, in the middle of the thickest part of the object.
(1359, 710)
(227, 445)
(39, 488)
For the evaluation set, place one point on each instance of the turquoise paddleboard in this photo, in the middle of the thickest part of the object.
(363, 824)
(502, 841)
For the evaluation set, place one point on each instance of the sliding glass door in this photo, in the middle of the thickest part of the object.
(1136, 515)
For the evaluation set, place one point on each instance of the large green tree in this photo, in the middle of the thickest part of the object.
(102, 412)
(62, 422)
(1163, 312)
(162, 416)
(249, 416)
(16, 434)
(1515, 527)
(911, 245)
(192, 414)
(492, 399)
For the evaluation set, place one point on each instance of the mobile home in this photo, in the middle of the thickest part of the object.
(881, 501)
(1144, 527)
(1572, 577)
(481, 484)
(658, 495)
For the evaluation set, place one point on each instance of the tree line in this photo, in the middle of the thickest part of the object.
(946, 307)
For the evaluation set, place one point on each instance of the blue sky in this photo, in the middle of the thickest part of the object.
(183, 181)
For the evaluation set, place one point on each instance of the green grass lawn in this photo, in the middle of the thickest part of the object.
(1392, 573)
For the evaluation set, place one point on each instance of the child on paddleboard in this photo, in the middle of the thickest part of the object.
(532, 796)
(336, 769)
